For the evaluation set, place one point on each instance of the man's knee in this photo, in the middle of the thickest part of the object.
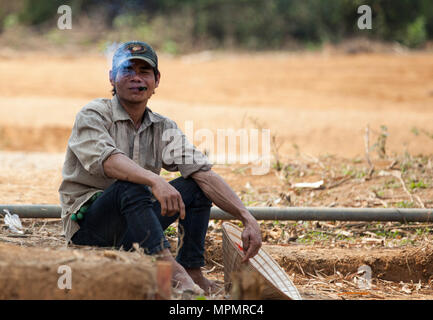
(190, 186)
(133, 189)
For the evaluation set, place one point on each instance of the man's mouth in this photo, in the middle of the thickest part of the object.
(140, 89)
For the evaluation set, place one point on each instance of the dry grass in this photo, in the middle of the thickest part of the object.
(347, 183)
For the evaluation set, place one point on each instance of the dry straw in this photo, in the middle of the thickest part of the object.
(277, 284)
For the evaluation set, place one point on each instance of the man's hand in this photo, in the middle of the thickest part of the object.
(251, 239)
(118, 166)
(169, 198)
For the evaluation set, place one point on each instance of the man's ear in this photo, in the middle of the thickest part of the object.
(110, 75)
(158, 77)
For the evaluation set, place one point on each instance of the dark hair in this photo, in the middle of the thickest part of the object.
(114, 73)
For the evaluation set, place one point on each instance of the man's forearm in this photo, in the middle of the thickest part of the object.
(120, 167)
(220, 193)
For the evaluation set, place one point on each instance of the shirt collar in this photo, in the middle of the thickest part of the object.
(119, 113)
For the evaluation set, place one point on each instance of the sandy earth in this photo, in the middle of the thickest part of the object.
(321, 102)
(316, 104)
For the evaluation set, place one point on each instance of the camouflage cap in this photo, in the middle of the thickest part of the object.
(135, 50)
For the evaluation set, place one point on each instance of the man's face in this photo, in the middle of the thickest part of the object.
(132, 75)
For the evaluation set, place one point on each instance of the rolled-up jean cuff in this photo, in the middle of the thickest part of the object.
(191, 264)
(158, 248)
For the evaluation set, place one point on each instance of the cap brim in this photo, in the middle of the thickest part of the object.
(152, 64)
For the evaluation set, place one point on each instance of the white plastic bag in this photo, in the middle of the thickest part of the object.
(13, 222)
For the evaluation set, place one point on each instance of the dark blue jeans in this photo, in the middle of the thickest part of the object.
(125, 214)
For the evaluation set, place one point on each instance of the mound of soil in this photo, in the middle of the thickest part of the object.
(34, 273)
(408, 264)
(397, 264)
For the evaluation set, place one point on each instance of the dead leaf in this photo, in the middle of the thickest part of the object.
(313, 185)
(406, 289)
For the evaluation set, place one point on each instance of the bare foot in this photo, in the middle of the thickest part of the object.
(181, 280)
(207, 285)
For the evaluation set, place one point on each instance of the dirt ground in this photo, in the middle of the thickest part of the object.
(320, 102)
(317, 106)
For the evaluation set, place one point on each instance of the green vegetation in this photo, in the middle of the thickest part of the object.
(179, 26)
(392, 184)
(170, 231)
(311, 237)
(417, 185)
(416, 33)
(405, 204)
(349, 171)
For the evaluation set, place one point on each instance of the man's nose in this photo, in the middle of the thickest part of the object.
(135, 76)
